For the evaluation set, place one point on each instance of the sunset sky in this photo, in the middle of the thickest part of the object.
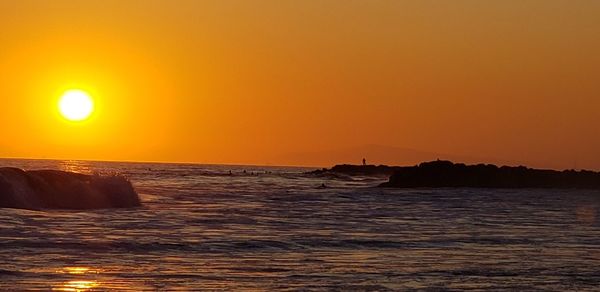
(304, 82)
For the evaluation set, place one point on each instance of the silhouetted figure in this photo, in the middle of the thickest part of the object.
(364, 162)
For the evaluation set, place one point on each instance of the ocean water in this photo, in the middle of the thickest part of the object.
(273, 228)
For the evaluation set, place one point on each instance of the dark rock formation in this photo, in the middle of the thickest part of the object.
(438, 174)
(348, 169)
(53, 189)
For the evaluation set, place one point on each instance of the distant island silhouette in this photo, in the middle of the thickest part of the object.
(54, 189)
(442, 174)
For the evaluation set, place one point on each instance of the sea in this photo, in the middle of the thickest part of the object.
(240, 228)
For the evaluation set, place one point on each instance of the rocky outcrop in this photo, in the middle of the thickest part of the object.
(53, 189)
(437, 174)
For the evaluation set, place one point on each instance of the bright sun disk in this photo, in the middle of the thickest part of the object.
(75, 105)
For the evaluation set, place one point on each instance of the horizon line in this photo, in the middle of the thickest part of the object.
(154, 162)
(266, 165)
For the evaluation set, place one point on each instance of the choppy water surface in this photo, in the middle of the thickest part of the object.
(273, 228)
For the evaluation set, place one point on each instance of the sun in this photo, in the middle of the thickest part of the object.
(75, 105)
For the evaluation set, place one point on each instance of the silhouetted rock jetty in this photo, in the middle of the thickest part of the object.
(348, 169)
(53, 189)
(438, 174)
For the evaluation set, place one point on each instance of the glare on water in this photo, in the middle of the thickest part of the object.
(204, 228)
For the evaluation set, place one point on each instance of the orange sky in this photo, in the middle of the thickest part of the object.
(304, 82)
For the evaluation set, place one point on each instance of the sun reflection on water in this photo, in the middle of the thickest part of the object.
(78, 270)
(75, 166)
(77, 285)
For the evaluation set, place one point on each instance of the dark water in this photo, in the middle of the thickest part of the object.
(274, 229)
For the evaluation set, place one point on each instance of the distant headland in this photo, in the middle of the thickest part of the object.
(442, 174)
(54, 189)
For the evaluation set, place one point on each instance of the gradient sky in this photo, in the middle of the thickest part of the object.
(254, 82)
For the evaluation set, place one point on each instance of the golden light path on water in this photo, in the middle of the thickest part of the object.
(84, 278)
(203, 228)
(78, 285)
